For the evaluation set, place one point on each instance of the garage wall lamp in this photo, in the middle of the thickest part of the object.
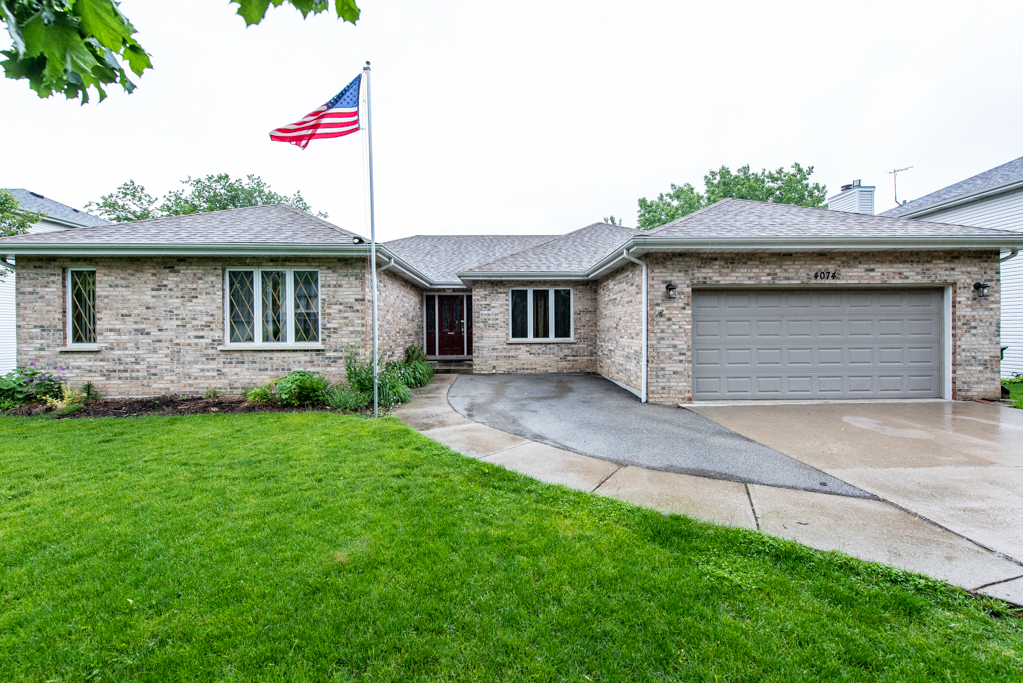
(983, 289)
(670, 289)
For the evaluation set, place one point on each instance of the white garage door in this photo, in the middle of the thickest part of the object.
(816, 343)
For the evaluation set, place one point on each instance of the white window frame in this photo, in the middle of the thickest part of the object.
(257, 310)
(95, 322)
(550, 307)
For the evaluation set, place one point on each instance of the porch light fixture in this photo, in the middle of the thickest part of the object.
(983, 289)
(357, 240)
(670, 288)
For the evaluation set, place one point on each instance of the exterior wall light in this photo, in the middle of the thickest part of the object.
(983, 289)
(357, 240)
(670, 289)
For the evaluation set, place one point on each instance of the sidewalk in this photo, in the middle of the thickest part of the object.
(868, 529)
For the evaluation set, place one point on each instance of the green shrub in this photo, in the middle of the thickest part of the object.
(259, 395)
(347, 400)
(412, 373)
(415, 354)
(391, 390)
(90, 392)
(393, 380)
(212, 393)
(360, 374)
(28, 384)
(301, 388)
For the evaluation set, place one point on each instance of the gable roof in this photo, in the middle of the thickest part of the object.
(277, 224)
(748, 219)
(574, 252)
(37, 203)
(1008, 173)
(440, 257)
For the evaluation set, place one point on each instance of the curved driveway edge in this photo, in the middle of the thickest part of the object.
(871, 530)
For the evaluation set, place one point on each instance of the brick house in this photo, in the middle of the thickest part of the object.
(741, 300)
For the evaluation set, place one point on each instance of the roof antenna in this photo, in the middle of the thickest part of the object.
(895, 181)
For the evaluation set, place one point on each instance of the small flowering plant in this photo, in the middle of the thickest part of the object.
(31, 383)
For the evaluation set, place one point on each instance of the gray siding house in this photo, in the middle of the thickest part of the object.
(992, 199)
(58, 217)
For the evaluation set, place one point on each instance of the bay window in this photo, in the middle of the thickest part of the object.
(272, 306)
(541, 313)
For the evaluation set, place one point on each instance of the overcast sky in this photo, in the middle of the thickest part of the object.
(540, 117)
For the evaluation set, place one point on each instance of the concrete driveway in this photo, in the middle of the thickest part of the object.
(932, 487)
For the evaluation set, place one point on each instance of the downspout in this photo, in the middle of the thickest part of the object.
(1012, 254)
(385, 266)
(646, 312)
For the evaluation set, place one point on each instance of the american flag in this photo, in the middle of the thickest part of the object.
(339, 116)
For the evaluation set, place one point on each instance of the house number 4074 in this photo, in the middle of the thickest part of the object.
(826, 275)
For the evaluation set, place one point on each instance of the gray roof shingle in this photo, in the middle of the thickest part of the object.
(439, 257)
(269, 224)
(999, 175)
(737, 218)
(571, 253)
(37, 203)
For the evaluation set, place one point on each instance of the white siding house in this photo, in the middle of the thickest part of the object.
(58, 217)
(992, 199)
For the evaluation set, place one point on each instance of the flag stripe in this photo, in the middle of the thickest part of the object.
(337, 118)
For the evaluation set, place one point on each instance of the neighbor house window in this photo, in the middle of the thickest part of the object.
(81, 297)
(541, 313)
(273, 306)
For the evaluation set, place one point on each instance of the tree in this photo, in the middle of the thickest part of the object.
(70, 46)
(611, 220)
(13, 220)
(131, 202)
(779, 187)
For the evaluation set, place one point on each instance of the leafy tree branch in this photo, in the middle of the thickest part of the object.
(14, 220)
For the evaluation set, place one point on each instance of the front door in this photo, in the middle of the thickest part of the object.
(451, 338)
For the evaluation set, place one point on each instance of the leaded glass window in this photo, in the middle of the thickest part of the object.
(275, 305)
(307, 306)
(82, 306)
(242, 306)
(536, 313)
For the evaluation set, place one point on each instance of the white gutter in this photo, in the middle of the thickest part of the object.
(1012, 254)
(646, 314)
(7, 263)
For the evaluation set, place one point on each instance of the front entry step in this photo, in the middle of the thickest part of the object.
(457, 367)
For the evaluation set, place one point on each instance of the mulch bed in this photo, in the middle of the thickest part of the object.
(163, 405)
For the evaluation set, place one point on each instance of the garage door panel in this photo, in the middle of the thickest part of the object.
(816, 343)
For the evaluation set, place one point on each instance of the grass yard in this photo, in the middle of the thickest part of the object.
(319, 547)
(1016, 393)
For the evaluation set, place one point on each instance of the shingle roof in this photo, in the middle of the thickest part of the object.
(571, 253)
(999, 175)
(37, 203)
(270, 224)
(439, 257)
(737, 218)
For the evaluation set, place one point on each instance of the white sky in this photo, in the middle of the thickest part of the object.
(540, 117)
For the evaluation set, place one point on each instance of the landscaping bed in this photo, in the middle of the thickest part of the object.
(313, 546)
(163, 405)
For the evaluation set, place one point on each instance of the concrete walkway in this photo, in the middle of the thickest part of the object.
(872, 530)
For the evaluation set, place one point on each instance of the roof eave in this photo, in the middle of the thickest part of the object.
(964, 199)
(121, 249)
(826, 243)
(507, 275)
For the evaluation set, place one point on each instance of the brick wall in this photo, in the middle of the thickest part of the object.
(619, 326)
(160, 321)
(975, 345)
(493, 350)
(400, 310)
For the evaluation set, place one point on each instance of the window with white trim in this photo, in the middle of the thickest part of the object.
(272, 306)
(541, 313)
(81, 306)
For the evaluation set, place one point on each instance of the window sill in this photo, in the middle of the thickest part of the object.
(79, 348)
(541, 341)
(271, 347)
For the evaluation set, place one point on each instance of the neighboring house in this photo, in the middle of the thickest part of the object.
(740, 300)
(992, 199)
(58, 217)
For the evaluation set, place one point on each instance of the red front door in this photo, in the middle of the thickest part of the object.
(451, 335)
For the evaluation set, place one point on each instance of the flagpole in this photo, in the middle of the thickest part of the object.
(372, 242)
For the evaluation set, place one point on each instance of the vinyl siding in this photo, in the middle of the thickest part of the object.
(8, 341)
(1004, 212)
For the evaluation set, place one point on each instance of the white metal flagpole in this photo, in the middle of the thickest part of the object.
(372, 242)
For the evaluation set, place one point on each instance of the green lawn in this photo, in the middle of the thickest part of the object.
(314, 546)
(1016, 393)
